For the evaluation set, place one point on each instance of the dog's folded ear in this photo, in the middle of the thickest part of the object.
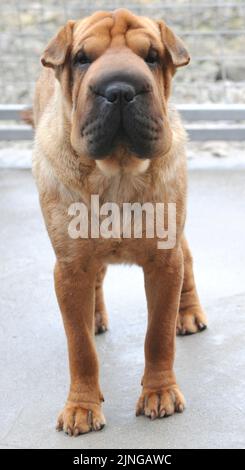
(174, 45)
(58, 47)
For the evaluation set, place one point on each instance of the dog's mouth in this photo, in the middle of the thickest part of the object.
(132, 126)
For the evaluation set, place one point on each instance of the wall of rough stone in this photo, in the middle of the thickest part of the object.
(214, 31)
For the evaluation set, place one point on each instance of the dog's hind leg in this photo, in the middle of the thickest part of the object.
(101, 317)
(191, 318)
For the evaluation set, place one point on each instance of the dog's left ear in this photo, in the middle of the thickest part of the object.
(57, 49)
(174, 46)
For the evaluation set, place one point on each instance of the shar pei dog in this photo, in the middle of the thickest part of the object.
(107, 136)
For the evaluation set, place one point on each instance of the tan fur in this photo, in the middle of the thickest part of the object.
(64, 174)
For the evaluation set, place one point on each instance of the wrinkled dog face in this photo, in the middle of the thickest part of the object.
(115, 71)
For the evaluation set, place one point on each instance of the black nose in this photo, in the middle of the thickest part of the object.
(119, 91)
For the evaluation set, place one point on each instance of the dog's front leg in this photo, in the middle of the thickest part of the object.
(163, 281)
(75, 290)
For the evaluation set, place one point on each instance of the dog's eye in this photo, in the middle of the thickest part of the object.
(81, 59)
(152, 57)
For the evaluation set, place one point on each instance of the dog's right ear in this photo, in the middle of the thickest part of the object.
(174, 45)
(58, 47)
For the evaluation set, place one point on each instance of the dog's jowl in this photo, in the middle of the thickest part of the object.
(105, 132)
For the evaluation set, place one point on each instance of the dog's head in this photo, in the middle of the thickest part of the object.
(115, 71)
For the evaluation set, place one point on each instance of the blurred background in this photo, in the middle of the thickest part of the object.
(210, 94)
(214, 31)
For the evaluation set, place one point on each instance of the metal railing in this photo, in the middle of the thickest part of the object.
(227, 122)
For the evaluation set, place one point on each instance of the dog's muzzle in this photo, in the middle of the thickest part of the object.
(121, 113)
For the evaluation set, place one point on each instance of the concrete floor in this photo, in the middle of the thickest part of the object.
(210, 366)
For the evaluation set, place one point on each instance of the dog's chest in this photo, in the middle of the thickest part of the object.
(124, 213)
(128, 188)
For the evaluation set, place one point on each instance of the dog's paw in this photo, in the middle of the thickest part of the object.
(75, 419)
(191, 321)
(100, 323)
(161, 403)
